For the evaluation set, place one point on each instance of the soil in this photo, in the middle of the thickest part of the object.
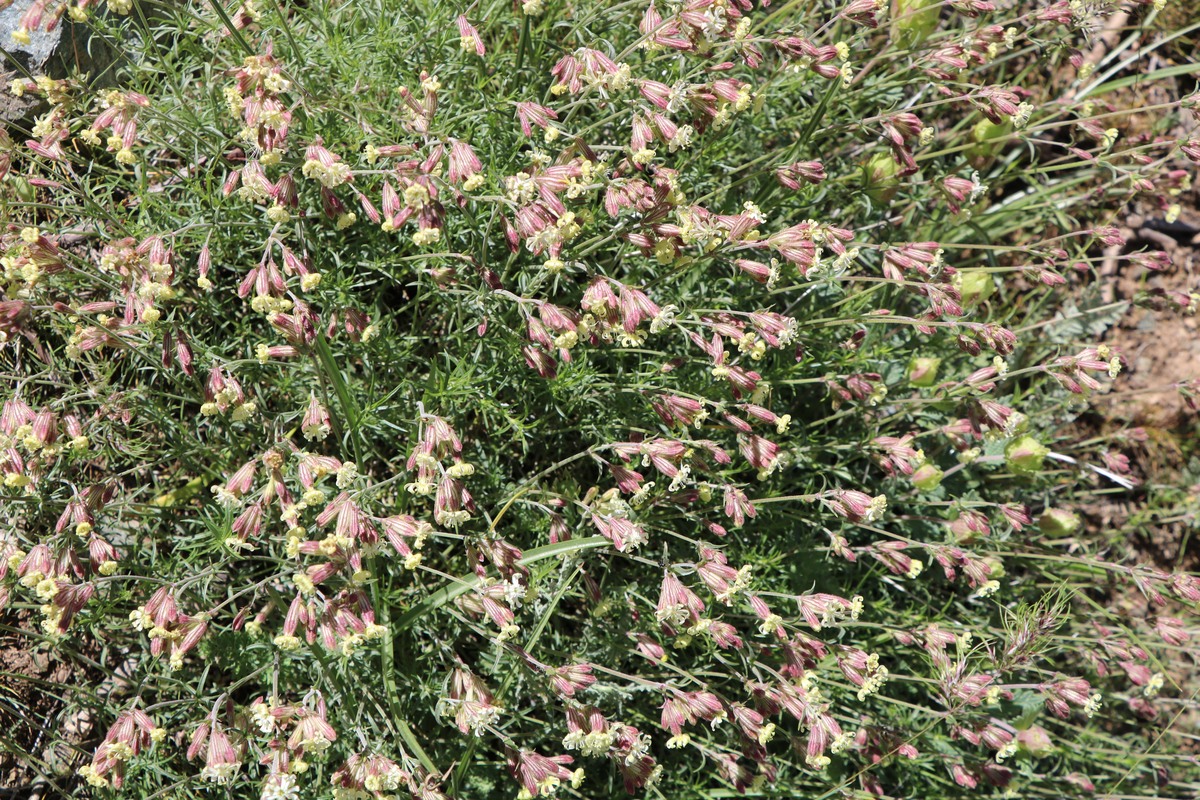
(1160, 344)
(1161, 350)
(28, 711)
(1161, 347)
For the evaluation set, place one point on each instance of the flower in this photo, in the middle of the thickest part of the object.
(280, 786)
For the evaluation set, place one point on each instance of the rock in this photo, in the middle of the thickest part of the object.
(41, 43)
(30, 57)
(66, 50)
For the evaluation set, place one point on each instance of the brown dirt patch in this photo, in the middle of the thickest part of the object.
(31, 703)
(1160, 341)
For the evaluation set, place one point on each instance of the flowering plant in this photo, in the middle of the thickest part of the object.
(584, 398)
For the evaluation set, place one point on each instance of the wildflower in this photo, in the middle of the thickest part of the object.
(287, 643)
(473, 182)
(987, 589)
(682, 138)
(461, 469)
(260, 715)
(530, 114)
(303, 583)
(769, 624)
(425, 236)
(1021, 118)
(92, 776)
(325, 167)
(856, 506)
(346, 474)
(873, 678)
(468, 36)
(809, 171)
(1171, 630)
(244, 411)
(312, 733)
(316, 422)
(643, 157)
(281, 786)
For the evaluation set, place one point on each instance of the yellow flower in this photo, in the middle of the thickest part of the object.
(287, 643)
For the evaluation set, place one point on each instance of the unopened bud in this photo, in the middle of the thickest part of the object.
(1059, 522)
(975, 286)
(1025, 455)
(927, 477)
(923, 371)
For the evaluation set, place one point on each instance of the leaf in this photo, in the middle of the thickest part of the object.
(461, 586)
(1086, 319)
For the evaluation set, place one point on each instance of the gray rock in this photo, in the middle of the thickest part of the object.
(22, 59)
(67, 50)
(41, 45)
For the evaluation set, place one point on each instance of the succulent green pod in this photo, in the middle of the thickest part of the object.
(1036, 741)
(987, 139)
(22, 188)
(914, 20)
(927, 477)
(1024, 455)
(1058, 522)
(975, 286)
(881, 177)
(923, 371)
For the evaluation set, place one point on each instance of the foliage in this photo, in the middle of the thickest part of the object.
(586, 397)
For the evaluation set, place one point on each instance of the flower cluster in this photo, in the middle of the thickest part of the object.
(681, 395)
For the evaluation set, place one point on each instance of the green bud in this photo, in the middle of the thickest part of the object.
(975, 286)
(22, 188)
(1059, 522)
(1025, 455)
(1035, 740)
(881, 176)
(987, 138)
(914, 20)
(963, 531)
(927, 477)
(923, 371)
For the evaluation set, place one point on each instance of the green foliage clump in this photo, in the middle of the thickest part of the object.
(583, 398)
